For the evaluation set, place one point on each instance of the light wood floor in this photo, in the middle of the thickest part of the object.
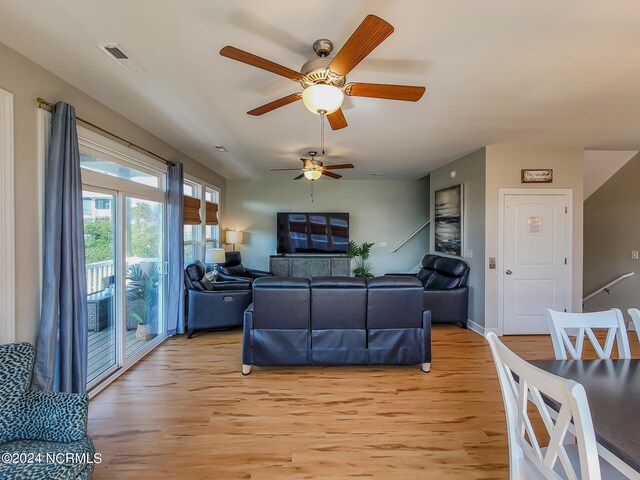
(186, 412)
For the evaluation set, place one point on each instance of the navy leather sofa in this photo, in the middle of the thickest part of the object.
(336, 321)
(446, 293)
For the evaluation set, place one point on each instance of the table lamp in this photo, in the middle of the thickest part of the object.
(234, 237)
(214, 256)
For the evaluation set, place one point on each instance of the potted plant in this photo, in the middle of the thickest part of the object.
(142, 285)
(360, 253)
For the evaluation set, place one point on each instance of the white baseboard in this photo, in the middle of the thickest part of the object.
(476, 327)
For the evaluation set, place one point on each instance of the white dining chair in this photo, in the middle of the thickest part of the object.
(564, 456)
(583, 324)
(635, 317)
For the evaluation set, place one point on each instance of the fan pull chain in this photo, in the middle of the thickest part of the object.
(322, 134)
(312, 190)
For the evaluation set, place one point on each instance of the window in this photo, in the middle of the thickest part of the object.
(192, 233)
(206, 233)
(212, 234)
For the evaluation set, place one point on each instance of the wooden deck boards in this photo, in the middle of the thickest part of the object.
(102, 351)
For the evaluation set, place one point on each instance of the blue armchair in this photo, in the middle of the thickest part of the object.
(42, 434)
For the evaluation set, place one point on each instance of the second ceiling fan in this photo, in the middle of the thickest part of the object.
(324, 79)
(313, 169)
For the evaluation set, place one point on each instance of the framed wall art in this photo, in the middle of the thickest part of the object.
(449, 220)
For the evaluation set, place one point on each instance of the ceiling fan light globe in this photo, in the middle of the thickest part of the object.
(322, 98)
(313, 174)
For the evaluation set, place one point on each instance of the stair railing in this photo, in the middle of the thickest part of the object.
(608, 286)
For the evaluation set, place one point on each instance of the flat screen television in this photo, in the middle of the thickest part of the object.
(313, 233)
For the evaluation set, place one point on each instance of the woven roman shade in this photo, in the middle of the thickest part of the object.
(192, 211)
(211, 213)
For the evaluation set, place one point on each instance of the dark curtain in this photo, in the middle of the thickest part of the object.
(175, 250)
(61, 351)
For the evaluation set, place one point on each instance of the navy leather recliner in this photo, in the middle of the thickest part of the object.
(213, 304)
(446, 293)
(336, 321)
(233, 269)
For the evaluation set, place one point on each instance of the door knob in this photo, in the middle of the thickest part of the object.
(508, 272)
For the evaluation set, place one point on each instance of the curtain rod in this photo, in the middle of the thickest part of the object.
(42, 102)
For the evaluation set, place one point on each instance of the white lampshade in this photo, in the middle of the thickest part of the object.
(214, 255)
(313, 174)
(234, 237)
(322, 98)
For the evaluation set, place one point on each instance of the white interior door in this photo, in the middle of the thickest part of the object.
(535, 260)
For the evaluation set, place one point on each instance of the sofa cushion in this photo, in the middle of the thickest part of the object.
(338, 303)
(394, 302)
(281, 303)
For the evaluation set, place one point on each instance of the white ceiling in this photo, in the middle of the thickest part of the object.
(535, 72)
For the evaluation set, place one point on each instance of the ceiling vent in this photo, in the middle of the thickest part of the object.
(118, 54)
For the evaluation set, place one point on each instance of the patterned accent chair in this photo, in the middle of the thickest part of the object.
(43, 435)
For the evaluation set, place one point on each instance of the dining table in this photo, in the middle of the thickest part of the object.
(613, 393)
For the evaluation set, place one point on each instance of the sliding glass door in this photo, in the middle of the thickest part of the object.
(144, 272)
(100, 221)
(124, 224)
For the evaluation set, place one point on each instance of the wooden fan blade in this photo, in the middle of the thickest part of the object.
(337, 120)
(299, 176)
(382, 90)
(253, 60)
(337, 166)
(331, 174)
(371, 33)
(284, 170)
(281, 102)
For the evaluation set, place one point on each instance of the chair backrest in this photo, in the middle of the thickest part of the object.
(635, 317)
(523, 384)
(583, 324)
(233, 264)
(443, 273)
(195, 278)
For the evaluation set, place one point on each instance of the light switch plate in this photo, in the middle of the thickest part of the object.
(383, 244)
(634, 254)
(468, 253)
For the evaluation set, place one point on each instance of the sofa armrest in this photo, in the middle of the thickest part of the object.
(223, 277)
(54, 416)
(400, 274)
(229, 286)
(426, 327)
(246, 335)
(221, 308)
(258, 273)
(448, 306)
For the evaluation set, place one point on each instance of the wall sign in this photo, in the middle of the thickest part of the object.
(537, 176)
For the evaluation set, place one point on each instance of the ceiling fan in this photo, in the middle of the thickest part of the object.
(313, 169)
(324, 79)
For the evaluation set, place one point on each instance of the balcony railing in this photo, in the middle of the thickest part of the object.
(97, 273)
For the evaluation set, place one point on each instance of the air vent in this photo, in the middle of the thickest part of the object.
(116, 53)
(220, 148)
(119, 55)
